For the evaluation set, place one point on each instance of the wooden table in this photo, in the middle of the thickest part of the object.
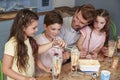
(105, 65)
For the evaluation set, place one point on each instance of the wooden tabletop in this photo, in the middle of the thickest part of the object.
(105, 65)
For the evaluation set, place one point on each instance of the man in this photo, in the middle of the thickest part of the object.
(70, 31)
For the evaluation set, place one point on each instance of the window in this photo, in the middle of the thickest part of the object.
(45, 3)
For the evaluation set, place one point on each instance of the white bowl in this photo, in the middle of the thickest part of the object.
(89, 65)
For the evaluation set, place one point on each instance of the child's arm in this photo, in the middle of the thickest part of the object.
(81, 39)
(83, 51)
(7, 69)
(45, 47)
(80, 42)
(96, 51)
(41, 66)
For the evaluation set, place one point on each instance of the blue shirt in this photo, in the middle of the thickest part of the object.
(68, 34)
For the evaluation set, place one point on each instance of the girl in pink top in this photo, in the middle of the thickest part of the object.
(93, 37)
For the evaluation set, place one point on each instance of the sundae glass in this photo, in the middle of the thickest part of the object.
(111, 49)
(56, 65)
(74, 61)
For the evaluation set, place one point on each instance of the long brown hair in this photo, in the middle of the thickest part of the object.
(105, 14)
(22, 20)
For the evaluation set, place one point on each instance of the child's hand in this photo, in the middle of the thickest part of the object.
(60, 43)
(30, 78)
(89, 56)
(83, 53)
(48, 70)
(65, 55)
(94, 55)
(104, 50)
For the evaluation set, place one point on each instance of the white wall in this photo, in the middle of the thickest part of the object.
(58, 3)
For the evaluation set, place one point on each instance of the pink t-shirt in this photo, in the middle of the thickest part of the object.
(46, 58)
(95, 40)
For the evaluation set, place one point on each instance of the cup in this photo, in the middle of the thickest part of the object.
(111, 47)
(105, 75)
(56, 67)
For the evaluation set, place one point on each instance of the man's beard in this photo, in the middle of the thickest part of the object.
(77, 29)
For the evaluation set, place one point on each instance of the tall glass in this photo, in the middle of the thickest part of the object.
(56, 67)
(56, 64)
(74, 61)
(111, 49)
